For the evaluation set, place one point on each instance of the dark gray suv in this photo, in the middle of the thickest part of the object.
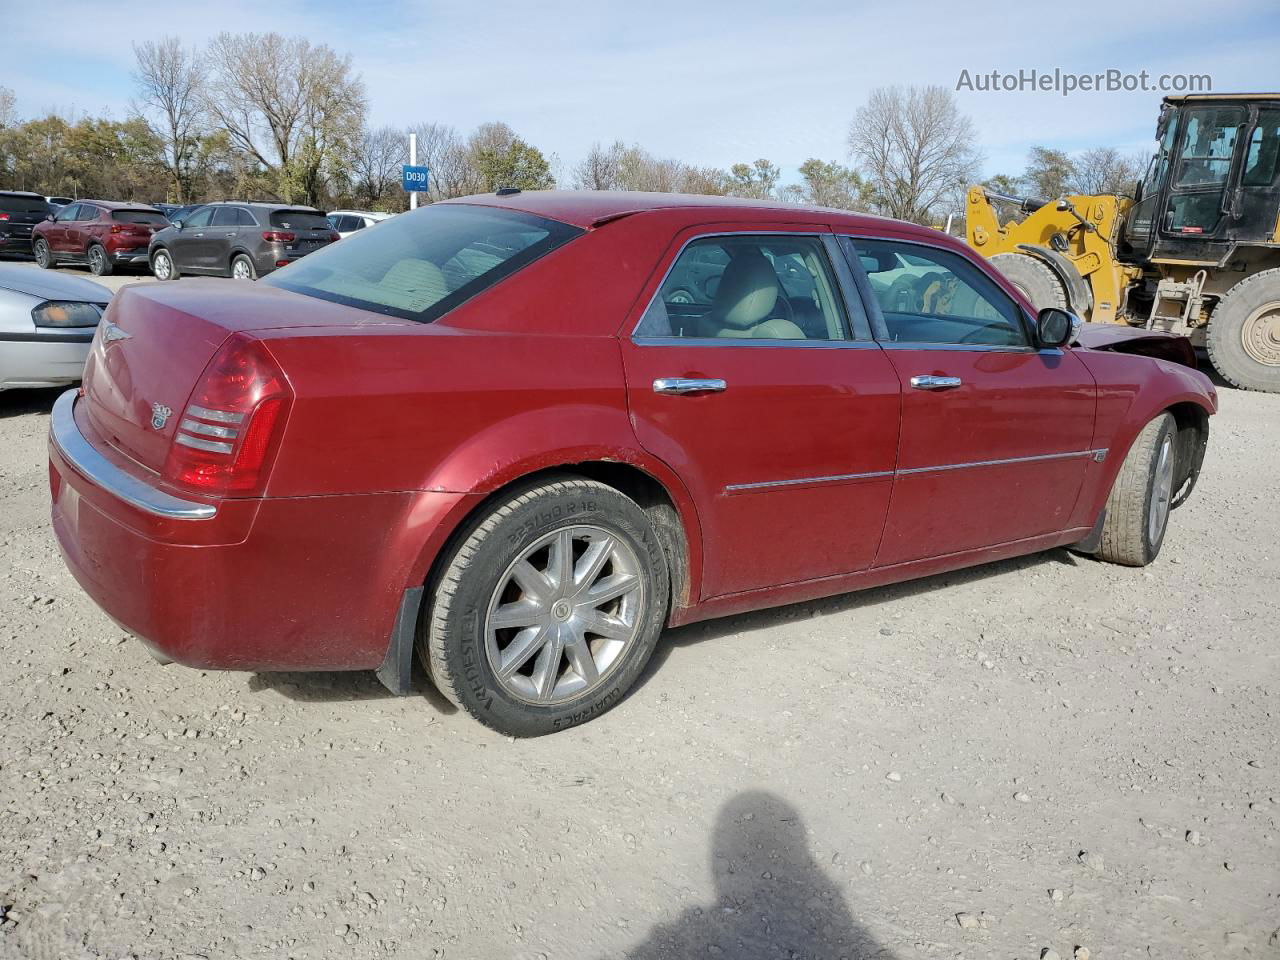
(241, 240)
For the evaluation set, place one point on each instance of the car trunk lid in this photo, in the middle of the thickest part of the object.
(156, 341)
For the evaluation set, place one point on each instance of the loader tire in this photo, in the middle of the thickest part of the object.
(1034, 279)
(1244, 333)
(1137, 511)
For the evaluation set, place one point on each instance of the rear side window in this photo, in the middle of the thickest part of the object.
(422, 265)
(139, 216)
(744, 287)
(299, 220)
(9, 203)
(87, 212)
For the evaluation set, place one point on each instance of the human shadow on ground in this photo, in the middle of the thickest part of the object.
(772, 898)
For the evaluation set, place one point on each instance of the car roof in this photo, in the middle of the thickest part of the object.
(22, 193)
(592, 208)
(119, 204)
(1198, 97)
(263, 204)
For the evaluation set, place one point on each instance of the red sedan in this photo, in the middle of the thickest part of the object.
(521, 433)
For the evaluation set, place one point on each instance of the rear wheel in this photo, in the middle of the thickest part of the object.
(1034, 279)
(162, 265)
(44, 258)
(242, 268)
(547, 611)
(1244, 333)
(99, 262)
(1138, 507)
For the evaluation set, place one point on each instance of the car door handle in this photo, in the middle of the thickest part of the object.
(225, 234)
(197, 234)
(683, 385)
(935, 383)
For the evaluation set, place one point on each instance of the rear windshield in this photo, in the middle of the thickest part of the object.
(421, 265)
(17, 204)
(139, 216)
(300, 220)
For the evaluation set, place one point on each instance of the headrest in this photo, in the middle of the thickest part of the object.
(747, 293)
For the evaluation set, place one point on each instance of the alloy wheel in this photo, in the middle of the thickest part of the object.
(241, 270)
(1161, 491)
(563, 614)
(162, 267)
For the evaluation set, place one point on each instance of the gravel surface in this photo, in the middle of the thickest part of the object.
(1046, 754)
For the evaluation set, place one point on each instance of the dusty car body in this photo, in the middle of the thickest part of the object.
(47, 323)
(490, 429)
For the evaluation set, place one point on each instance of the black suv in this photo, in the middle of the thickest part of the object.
(238, 239)
(19, 212)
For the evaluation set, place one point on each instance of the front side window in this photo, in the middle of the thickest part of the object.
(745, 287)
(1208, 139)
(67, 213)
(419, 266)
(200, 218)
(1263, 156)
(929, 295)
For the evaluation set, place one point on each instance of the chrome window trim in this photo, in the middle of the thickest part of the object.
(753, 342)
(89, 463)
(1096, 455)
(851, 334)
(1028, 328)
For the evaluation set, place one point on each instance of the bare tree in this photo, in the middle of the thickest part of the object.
(444, 153)
(170, 83)
(292, 107)
(375, 166)
(8, 108)
(1105, 170)
(622, 167)
(599, 168)
(915, 148)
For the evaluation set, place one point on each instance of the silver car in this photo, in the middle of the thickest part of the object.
(47, 322)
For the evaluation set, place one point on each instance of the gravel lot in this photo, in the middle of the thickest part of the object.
(1044, 753)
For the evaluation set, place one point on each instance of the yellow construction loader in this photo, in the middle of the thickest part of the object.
(1195, 251)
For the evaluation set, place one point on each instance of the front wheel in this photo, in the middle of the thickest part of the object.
(546, 613)
(44, 258)
(1138, 507)
(1244, 333)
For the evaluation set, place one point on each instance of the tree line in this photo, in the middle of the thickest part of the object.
(262, 115)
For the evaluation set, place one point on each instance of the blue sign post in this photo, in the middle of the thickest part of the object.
(414, 178)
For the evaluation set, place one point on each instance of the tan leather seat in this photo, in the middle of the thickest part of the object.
(744, 302)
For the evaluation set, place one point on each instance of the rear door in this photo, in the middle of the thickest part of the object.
(996, 433)
(746, 376)
(224, 236)
(80, 230)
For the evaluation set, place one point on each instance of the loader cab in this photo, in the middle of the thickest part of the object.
(1213, 183)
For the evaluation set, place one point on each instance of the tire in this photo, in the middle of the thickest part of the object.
(548, 688)
(99, 262)
(163, 266)
(1244, 333)
(43, 255)
(1138, 507)
(1034, 279)
(245, 265)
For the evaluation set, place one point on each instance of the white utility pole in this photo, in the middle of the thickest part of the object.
(413, 162)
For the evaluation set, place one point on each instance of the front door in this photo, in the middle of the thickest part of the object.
(190, 246)
(747, 377)
(995, 433)
(56, 233)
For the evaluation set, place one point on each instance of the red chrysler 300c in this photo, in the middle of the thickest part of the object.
(521, 433)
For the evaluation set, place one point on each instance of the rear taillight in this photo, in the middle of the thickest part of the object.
(278, 236)
(335, 236)
(128, 228)
(228, 432)
(4, 216)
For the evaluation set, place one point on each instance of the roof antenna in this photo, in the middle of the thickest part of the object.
(505, 191)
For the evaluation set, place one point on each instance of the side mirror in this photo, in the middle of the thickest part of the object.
(178, 224)
(1056, 327)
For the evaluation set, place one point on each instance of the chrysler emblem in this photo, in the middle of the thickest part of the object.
(160, 415)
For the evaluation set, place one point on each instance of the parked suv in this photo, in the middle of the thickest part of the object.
(19, 213)
(241, 240)
(104, 234)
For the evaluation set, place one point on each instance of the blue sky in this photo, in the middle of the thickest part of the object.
(712, 83)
